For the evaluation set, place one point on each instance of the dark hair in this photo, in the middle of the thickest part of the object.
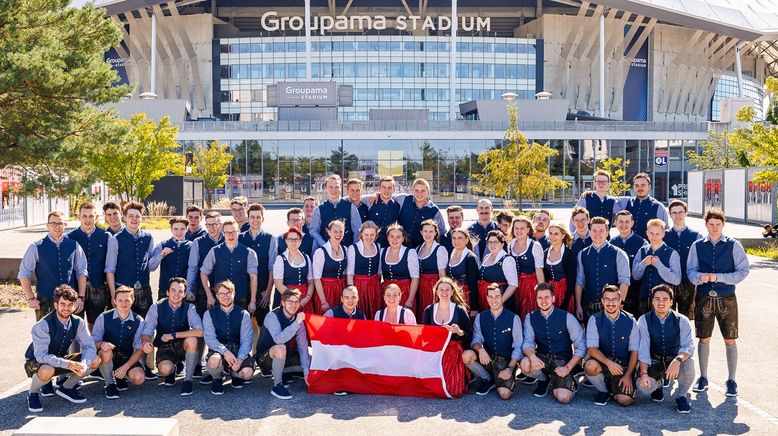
(65, 292)
(255, 207)
(497, 234)
(677, 202)
(433, 224)
(663, 288)
(194, 208)
(543, 286)
(133, 205)
(716, 214)
(293, 211)
(111, 205)
(642, 176)
(622, 213)
(579, 209)
(504, 215)
(179, 280)
(493, 286)
(598, 220)
(178, 220)
(611, 288)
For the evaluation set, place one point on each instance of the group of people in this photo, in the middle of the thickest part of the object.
(525, 299)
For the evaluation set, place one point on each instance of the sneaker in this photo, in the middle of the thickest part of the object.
(340, 393)
(701, 385)
(186, 388)
(122, 385)
(63, 378)
(279, 391)
(179, 368)
(602, 398)
(237, 383)
(217, 388)
(207, 379)
(682, 405)
(96, 375)
(667, 383)
(286, 380)
(263, 375)
(484, 387)
(529, 380)
(47, 390)
(198, 371)
(542, 388)
(170, 380)
(731, 388)
(658, 395)
(71, 395)
(520, 376)
(34, 402)
(149, 374)
(584, 381)
(111, 392)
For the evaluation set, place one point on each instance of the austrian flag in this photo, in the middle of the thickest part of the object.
(377, 358)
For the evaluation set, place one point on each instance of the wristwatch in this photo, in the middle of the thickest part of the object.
(679, 359)
(173, 335)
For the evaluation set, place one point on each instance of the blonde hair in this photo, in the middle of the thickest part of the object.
(456, 296)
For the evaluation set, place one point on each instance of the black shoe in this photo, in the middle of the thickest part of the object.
(121, 384)
(658, 395)
(186, 388)
(217, 388)
(237, 383)
(529, 380)
(63, 378)
(198, 371)
(602, 398)
(47, 390)
(286, 379)
(731, 388)
(179, 368)
(207, 379)
(34, 403)
(170, 380)
(111, 392)
(682, 405)
(72, 395)
(667, 383)
(542, 388)
(149, 374)
(701, 385)
(520, 376)
(96, 375)
(484, 387)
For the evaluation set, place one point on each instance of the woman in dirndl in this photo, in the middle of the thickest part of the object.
(329, 268)
(363, 269)
(528, 254)
(560, 266)
(497, 267)
(463, 268)
(433, 259)
(393, 312)
(292, 270)
(400, 266)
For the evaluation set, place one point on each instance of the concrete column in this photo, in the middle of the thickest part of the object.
(153, 80)
(739, 70)
(452, 88)
(308, 39)
(602, 65)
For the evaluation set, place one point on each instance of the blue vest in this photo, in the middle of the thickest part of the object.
(497, 333)
(384, 214)
(459, 272)
(132, 261)
(339, 312)
(306, 245)
(682, 243)
(293, 275)
(631, 246)
(55, 265)
(603, 208)
(191, 236)
(169, 321)
(174, 264)
(334, 269)
(614, 336)
(651, 276)
(204, 245)
(445, 240)
(398, 271)
(479, 231)
(227, 325)
(411, 218)
(599, 269)
(716, 259)
(543, 241)
(233, 266)
(121, 334)
(558, 271)
(665, 338)
(494, 273)
(60, 339)
(551, 334)
(525, 263)
(642, 212)
(266, 339)
(429, 265)
(261, 246)
(342, 211)
(95, 246)
(366, 266)
(579, 244)
(363, 211)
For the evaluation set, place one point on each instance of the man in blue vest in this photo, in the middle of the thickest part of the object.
(174, 328)
(55, 260)
(195, 290)
(581, 236)
(48, 354)
(612, 339)
(194, 214)
(127, 260)
(716, 264)
(229, 335)
(239, 208)
(310, 204)
(655, 264)
(599, 202)
(540, 222)
(643, 207)
(385, 209)
(264, 246)
(599, 264)
(416, 208)
(553, 345)
(504, 219)
(294, 218)
(117, 336)
(680, 238)
(347, 309)
(171, 256)
(354, 193)
(455, 217)
(496, 346)
(666, 349)
(113, 217)
(282, 335)
(483, 225)
(94, 242)
(334, 208)
(630, 243)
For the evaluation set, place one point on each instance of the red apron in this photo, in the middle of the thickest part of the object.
(454, 372)
(303, 288)
(370, 294)
(483, 303)
(560, 290)
(333, 290)
(405, 286)
(525, 298)
(426, 293)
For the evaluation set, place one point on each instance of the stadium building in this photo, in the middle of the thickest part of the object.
(418, 88)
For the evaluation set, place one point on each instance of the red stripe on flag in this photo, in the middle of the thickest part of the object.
(353, 381)
(367, 334)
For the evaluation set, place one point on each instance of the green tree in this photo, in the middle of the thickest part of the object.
(52, 80)
(518, 167)
(758, 142)
(616, 167)
(717, 152)
(772, 112)
(145, 154)
(211, 164)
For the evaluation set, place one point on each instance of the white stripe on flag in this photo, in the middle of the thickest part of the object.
(387, 360)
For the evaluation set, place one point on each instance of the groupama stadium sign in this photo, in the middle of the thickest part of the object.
(271, 22)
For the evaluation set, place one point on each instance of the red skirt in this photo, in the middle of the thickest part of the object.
(426, 293)
(405, 286)
(370, 294)
(454, 372)
(525, 294)
(560, 290)
(303, 288)
(466, 295)
(483, 285)
(333, 289)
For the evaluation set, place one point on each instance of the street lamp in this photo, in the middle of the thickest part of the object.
(509, 96)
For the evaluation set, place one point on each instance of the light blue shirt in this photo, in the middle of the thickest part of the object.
(156, 259)
(98, 329)
(518, 339)
(741, 264)
(194, 259)
(573, 329)
(315, 226)
(113, 252)
(41, 340)
(152, 317)
(669, 273)
(622, 266)
(687, 344)
(293, 330)
(252, 264)
(593, 335)
(246, 334)
(30, 260)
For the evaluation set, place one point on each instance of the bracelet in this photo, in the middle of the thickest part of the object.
(173, 334)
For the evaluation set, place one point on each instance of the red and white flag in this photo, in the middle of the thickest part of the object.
(376, 358)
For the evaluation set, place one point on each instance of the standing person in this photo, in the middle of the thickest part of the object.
(450, 311)
(599, 202)
(495, 350)
(417, 208)
(294, 218)
(117, 336)
(680, 238)
(504, 219)
(463, 268)
(599, 264)
(483, 226)
(127, 259)
(581, 236)
(94, 243)
(354, 193)
(643, 207)
(238, 207)
(385, 210)
(235, 262)
(197, 252)
(528, 255)
(174, 328)
(334, 208)
(329, 268)
(540, 222)
(433, 259)
(553, 345)
(55, 260)
(655, 264)
(113, 217)
(194, 214)
(171, 256)
(293, 269)
(229, 335)
(613, 338)
(362, 269)
(455, 217)
(560, 266)
(716, 264)
(666, 349)
(309, 206)
(347, 309)
(497, 267)
(264, 245)
(48, 355)
(393, 312)
(400, 266)
(630, 243)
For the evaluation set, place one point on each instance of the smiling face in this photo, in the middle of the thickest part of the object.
(333, 189)
(369, 235)
(350, 299)
(540, 222)
(392, 296)
(624, 223)
(386, 189)
(444, 291)
(599, 234)
(581, 223)
(64, 308)
(662, 302)
(113, 217)
(421, 193)
(124, 302)
(484, 210)
(545, 299)
(494, 298)
(194, 218)
(429, 232)
(335, 233)
(611, 301)
(354, 192)
(555, 235)
(56, 226)
(230, 232)
(175, 293)
(395, 237)
(238, 212)
(520, 230)
(133, 218)
(459, 240)
(178, 230)
(256, 218)
(213, 226)
(455, 219)
(88, 218)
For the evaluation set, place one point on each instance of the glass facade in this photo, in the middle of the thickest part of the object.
(386, 72)
(726, 87)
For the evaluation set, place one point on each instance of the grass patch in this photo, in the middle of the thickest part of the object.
(11, 295)
(767, 250)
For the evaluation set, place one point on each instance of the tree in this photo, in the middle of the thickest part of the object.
(759, 142)
(211, 164)
(52, 79)
(716, 153)
(518, 166)
(618, 174)
(146, 153)
(772, 112)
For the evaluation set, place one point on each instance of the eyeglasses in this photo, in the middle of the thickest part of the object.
(292, 301)
(56, 224)
(493, 242)
(231, 233)
(236, 209)
(611, 300)
(601, 182)
(292, 239)
(212, 225)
